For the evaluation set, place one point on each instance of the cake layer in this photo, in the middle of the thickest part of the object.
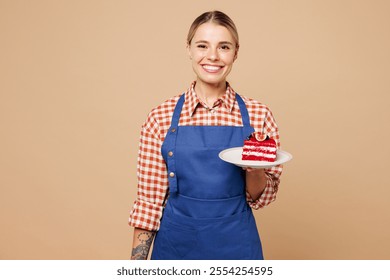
(259, 150)
(257, 158)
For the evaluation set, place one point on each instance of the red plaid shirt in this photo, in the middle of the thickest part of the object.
(151, 168)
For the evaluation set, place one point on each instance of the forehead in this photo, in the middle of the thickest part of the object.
(212, 32)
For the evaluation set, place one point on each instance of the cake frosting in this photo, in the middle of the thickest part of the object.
(259, 147)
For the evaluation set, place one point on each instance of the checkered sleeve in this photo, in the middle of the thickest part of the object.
(152, 178)
(270, 128)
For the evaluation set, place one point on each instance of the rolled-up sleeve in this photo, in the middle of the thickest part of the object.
(152, 179)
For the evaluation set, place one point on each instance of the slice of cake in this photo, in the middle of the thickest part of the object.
(259, 147)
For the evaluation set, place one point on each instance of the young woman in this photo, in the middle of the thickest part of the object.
(193, 204)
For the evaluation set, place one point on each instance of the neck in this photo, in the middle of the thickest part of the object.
(209, 93)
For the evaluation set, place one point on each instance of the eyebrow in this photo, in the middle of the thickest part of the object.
(220, 43)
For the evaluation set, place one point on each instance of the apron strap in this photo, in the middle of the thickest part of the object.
(248, 130)
(170, 141)
(177, 112)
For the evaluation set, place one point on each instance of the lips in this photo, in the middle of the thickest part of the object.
(211, 68)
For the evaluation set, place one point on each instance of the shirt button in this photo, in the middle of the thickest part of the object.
(170, 153)
(171, 174)
(173, 129)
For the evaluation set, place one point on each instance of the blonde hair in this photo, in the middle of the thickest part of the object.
(216, 17)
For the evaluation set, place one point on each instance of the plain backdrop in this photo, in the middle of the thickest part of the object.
(78, 78)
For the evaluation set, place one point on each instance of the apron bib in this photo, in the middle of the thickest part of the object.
(206, 215)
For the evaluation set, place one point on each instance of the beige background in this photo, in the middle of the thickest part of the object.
(79, 77)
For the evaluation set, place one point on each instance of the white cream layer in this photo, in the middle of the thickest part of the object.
(259, 154)
(267, 149)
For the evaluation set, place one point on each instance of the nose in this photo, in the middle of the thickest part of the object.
(213, 54)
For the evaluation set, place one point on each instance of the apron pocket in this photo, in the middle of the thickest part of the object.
(176, 241)
(225, 238)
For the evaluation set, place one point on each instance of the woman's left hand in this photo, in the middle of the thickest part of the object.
(256, 181)
(251, 169)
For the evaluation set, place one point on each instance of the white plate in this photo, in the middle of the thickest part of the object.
(234, 155)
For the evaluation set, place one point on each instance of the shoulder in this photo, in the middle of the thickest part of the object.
(260, 114)
(255, 105)
(162, 114)
(166, 107)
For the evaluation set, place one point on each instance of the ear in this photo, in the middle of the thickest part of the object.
(236, 53)
(189, 50)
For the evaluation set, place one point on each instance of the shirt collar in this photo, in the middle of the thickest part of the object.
(192, 100)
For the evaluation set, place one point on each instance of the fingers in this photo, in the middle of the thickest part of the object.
(248, 169)
(251, 169)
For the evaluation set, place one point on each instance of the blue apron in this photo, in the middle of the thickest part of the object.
(206, 215)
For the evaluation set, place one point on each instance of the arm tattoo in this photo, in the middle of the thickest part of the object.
(141, 251)
(145, 238)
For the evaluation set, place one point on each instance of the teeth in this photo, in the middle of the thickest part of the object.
(210, 67)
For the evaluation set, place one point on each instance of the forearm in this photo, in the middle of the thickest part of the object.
(142, 240)
(256, 181)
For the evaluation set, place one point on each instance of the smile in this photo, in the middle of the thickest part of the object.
(212, 68)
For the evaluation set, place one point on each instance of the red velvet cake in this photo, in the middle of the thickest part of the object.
(260, 148)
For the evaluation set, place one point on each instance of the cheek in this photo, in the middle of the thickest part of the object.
(228, 58)
(229, 61)
(197, 57)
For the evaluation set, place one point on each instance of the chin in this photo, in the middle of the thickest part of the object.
(213, 81)
(209, 79)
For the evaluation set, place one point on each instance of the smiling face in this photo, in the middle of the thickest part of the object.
(213, 51)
